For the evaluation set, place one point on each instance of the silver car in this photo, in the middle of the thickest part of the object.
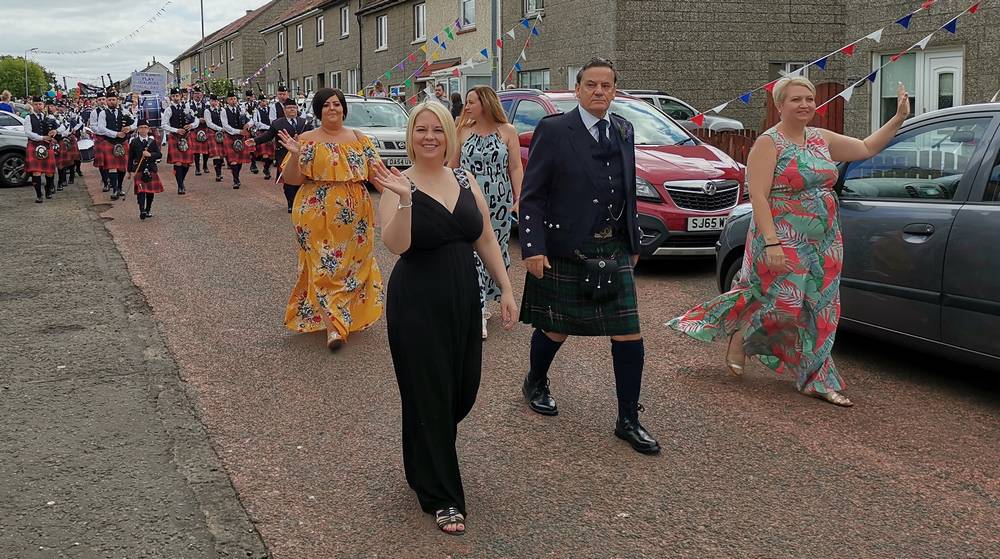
(683, 112)
(13, 149)
(921, 222)
(384, 121)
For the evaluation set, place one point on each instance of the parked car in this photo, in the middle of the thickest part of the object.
(384, 121)
(683, 112)
(10, 121)
(921, 222)
(13, 150)
(685, 188)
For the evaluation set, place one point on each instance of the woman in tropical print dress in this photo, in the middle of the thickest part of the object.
(786, 305)
(491, 151)
(339, 288)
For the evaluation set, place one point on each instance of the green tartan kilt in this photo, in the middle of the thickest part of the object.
(560, 303)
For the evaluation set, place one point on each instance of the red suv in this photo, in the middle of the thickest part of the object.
(685, 188)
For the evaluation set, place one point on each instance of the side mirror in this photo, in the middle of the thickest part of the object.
(525, 139)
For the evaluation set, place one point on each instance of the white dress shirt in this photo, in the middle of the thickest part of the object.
(28, 130)
(232, 128)
(210, 123)
(169, 112)
(590, 122)
(102, 122)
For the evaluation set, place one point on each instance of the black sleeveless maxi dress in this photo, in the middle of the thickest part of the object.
(433, 318)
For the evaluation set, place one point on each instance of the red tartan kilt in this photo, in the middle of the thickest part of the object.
(174, 154)
(65, 157)
(200, 148)
(152, 187)
(74, 150)
(34, 165)
(105, 150)
(234, 157)
(98, 153)
(216, 149)
(265, 150)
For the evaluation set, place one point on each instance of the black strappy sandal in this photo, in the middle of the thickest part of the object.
(450, 517)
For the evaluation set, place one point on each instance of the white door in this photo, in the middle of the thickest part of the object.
(944, 81)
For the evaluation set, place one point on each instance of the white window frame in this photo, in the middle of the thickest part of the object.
(534, 7)
(543, 72)
(320, 30)
(381, 33)
(352, 80)
(420, 22)
(281, 42)
(270, 88)
(294, 89)
(467, 9)
(308, 84)
(299, 35)
(345, 21)
(336, 80)
(232, 53)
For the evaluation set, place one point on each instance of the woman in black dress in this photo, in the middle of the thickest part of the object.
(434, 217)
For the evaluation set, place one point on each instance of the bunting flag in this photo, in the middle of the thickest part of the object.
(698, 120)
(456, 72)
(822, 109)
(361, 93)
(905, 21)
(388, 75)
(500, 43)
(135, 33)
(447, 31)
(974, 8)
(511, 34)
(848, 93)
(923, 42)
(770, 86)
(746, 97)
(872, 76)
(951, 26)
(526, 23)
(423, 49)
(821, 63)
(719, 108)
(408, 83)
(524, 57)
(534, 31)
(876, 35)
(412, 57)
(485, 53)
(517, 66)
(849, 49)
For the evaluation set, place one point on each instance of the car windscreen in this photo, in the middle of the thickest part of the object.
(652, 128)
(375, 115)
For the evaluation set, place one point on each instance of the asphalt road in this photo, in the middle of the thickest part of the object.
(311, 440)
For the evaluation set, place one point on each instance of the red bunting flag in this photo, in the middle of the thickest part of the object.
(500, 43)
(849, 50)
(412, 57)
(412, 100)
(456, 72)
(770, 87)
(698, 119)
(974, 8)
(927, 4)
(821, 111)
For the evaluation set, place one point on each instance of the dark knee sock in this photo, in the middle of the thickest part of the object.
(267, 166)
(50, 185)
(628, 359)
(543, 351)
(218, 167)
(149, 201)
(290, 191)
(179, 175)
(37, 183)
(140, 198)
(235, 169)
(104, 176)
(120, 179)
(76, 167)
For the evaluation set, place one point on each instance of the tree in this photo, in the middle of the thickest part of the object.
(12, 76)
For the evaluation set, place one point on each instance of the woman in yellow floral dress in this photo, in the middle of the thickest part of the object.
(340, 285)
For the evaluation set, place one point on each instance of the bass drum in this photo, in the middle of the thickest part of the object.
(86, 150)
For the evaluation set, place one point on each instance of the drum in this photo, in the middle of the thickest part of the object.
(86, 150)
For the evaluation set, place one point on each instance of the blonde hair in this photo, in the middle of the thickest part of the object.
(491, 106)
(5, 95)
(451, 138)
(783, 83)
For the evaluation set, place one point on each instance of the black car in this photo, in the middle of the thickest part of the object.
(921, 223)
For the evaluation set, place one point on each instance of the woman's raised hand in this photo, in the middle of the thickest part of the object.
(288, 142)
(903, 105)
(391, 179)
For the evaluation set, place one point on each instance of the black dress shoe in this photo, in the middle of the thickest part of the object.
(39, 201)
(538, 396)
(267, 176)
(289, 209)
(142, 215)
(218, 178)
(254, 170)
(197, 172)
(236, 186)
(105, 188)
(631, 431)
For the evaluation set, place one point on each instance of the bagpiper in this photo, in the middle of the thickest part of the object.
(200, 145)
(294, 125)
(99, 141)
(249, 105)
(75, 125)
(178, 122)
(41, 160)
(115, 125)
(216, 143)
(261, 119)
(235, 125)
(64, 159)
(144, 151)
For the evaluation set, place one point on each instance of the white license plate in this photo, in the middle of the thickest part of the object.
(706, 223)
(397, 162)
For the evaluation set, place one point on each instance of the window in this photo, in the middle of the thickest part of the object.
(536, 79)
(298, 37)
(270, 88)
(532, 7)
(926, 163)
(212, 57)
(345, 21)
(527, 115)
(419, 23)
(232, 54)
(320, 30)
(352, 81)
(674, 109)
(933, 80)
(335, 80)
(281, 42)
(8, 120)
(310, 84)
(382, 33)
(571, 72)
(507, 104)
(778, 70)
(468, 13)
(295, 87)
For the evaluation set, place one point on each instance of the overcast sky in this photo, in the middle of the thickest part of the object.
(58, 25)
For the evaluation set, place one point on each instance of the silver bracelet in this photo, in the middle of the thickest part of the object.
(400, 206)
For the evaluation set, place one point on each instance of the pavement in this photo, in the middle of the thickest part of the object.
(311, 439)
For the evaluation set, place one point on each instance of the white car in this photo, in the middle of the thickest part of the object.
(384, 121)
(682, 112)
(10, 121)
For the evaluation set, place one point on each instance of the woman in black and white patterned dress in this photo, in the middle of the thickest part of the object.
(491, 152)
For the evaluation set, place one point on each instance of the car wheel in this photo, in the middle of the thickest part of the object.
(732, 276)
(12, 170)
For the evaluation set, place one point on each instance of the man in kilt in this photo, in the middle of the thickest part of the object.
(235, 124)
(64, 159)
(249, 105)
(41, 159)
(294, 125)
(200, 146)
(178, 122)
(115, 124)
(216, 136)
(75, 125)
(144, 150)
(579, 235)
(261, 120)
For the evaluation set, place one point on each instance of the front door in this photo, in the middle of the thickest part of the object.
(897, 211)
(944, 81)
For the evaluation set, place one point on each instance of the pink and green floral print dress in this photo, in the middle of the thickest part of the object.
(789, 320)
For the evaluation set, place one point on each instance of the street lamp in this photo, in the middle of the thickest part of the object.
(26, 70)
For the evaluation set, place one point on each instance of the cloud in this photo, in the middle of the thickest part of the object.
(95, 23)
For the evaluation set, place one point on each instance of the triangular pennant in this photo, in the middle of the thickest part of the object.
(876, 35)
(388, 75)
(435, 56)
(974, 8)
(719, 109)
(423, 48)
(408, 83)
(698, 119)
(895, 57)
(923, 42)
(523, 56)
(512, 34)
(951, 26)
(527, 44)
(447, 31)
(436, 40)
(849, 49)
(400, 66)
(413, 100)
(535, 31)
(770, 86)
(871, 77)
(517, 66)
(848, 93)
(458, 23)
(927, 4)
(821, 110)
(746, 97)
(905, 21)
(412, 57)
(485, 53)
(361, 93)
(444, 45)
(500, 43)
(821, 63)
(456, 72)
(526, 23)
